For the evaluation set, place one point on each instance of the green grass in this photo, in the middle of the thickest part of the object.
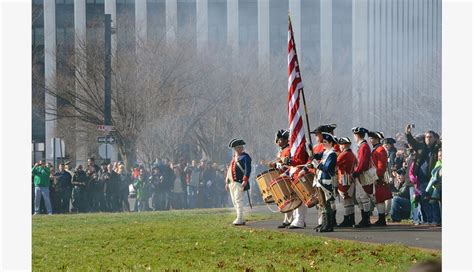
(199, 240)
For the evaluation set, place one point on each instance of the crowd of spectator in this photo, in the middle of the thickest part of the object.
(415, 175)
(111, 188)
(414, 172)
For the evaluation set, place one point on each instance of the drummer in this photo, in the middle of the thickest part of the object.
(281, 163)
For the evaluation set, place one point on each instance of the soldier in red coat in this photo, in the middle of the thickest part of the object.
(382, 188)
(281, 163)
(363, 185)
(346, 162)
(318, 148)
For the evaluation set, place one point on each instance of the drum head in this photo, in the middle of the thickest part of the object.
(265, 172)
(295, 204)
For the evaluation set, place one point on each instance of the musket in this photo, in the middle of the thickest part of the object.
(250, 202)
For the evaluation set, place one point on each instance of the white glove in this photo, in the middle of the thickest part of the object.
(315, 163)
(279, 165)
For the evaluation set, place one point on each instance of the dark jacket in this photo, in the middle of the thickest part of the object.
(103, 178)
(423, 154)
(246, 163)
(80, 179)
(403, 191)
(64, 180)
(111, 185)
(158, 183)
(328, 168)
(168, 176)
(392, 154)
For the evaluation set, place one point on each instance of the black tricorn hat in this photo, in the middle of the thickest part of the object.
(344, 140)
(328, 137)
(282, 133)
(324, 128)
(359, 130)
(236, 142)
(389, 141)
(376, 134)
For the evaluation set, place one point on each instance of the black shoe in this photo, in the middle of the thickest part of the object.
(239, 224)
(294, 227)
(283, 225)
(381, 221)
(317, 227)
(328, 229)
(365, 222)
(347, 222)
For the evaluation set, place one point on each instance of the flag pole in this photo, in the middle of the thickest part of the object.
(310, 147)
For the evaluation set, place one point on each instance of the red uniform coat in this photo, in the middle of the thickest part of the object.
(346, 162)
(380, 159)
(364, 158)
(284, 153)
(364, 161)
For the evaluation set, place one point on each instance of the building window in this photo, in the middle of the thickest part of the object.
(38, 36)
(95, 1)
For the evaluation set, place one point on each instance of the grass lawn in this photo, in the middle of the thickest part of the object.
(199, 240)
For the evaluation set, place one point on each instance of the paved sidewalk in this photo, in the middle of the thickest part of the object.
(414, 236)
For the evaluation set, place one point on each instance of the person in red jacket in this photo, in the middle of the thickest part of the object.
(363, 186)
(281, 163)
(382, 188)
(318, 148)
(346, 162)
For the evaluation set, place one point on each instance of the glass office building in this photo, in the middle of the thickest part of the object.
(379, 59)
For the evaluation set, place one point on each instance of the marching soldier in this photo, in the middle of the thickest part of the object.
(319, 148)
(382, 188)
(283, 157)
(325, 162)
(237, 180)
(346, 162)
(363, 184)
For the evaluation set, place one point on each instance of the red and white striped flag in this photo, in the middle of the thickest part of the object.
(297, 137)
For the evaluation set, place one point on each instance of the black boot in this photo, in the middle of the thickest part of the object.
(327, 220)
(333, 219)
(365, 222)
(352, 219)
(381, 221)
(347, 222)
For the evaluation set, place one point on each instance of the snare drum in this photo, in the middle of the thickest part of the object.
(284, 196)
(304, 189)
(263, 180)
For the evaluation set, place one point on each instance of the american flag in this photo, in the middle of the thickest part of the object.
(297, 137)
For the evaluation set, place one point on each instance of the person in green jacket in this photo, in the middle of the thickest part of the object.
(142, 186)
(41, 173)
